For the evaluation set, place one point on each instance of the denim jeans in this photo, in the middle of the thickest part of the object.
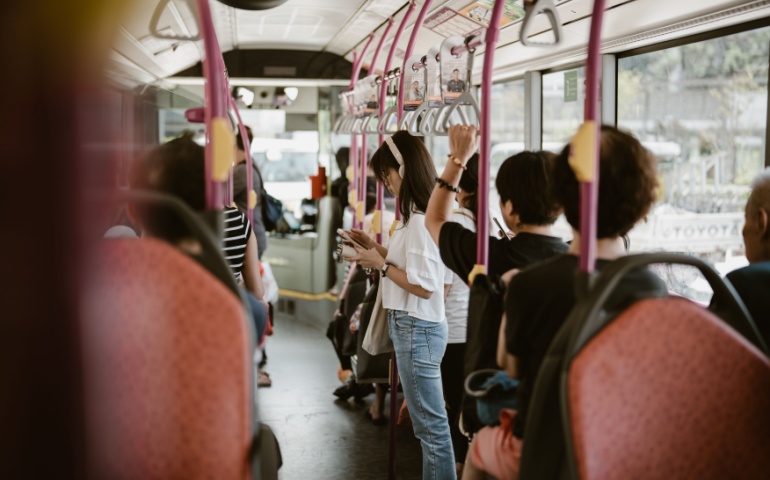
(420, 346)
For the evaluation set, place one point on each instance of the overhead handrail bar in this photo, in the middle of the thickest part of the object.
(159, 9)
(482, 245)
(532, 8)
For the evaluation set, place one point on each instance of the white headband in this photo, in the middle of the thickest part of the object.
(394, 150)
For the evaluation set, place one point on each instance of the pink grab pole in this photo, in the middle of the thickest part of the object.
(216, 105)
(380, 201)
(589, 191)
(353, 160)
(249, 160)
(408, 53)
(364, 156)
(493, 33)
(383, 93)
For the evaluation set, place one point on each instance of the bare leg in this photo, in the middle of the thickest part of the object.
(470, 472)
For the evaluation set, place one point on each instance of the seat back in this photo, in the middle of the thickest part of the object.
(668, 390)
(168, 368)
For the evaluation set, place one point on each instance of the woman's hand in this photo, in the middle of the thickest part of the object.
(362, 238)
(463, 141)
(368, 258)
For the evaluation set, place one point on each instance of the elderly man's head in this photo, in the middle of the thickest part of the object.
(756, 231)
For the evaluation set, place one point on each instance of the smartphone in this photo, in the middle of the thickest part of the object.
(501, 229)
(346, 237)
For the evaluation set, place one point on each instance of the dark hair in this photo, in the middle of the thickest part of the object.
(343, 159)
(239, 139)
(419, 172)
(456, 70)
(469, 183)
(524, 179)
(176, 168)
(627, 184)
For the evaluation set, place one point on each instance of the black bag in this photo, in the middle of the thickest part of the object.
(485, 311)
(370, 368)
(338, 332)
(272, 208)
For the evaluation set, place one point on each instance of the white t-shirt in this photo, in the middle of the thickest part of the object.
(412, 249)
(456, 304)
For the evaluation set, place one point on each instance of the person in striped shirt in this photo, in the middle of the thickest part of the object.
(177, 168)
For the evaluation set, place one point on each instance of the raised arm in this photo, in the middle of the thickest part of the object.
(463, 142)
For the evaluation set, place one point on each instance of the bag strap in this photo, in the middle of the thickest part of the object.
(262, 191)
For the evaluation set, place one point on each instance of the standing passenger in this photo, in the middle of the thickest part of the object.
(412, 291)
(540, 297)
(456, 305)
(523, 184)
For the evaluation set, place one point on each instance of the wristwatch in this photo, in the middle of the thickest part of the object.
(384, 269)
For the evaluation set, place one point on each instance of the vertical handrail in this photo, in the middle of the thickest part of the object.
(383, 91)
(216, 107)
(380, 103)
(353, 158)
(589, 189)
(482, 245)
(249, 161)
(379, 229)
(408, 53)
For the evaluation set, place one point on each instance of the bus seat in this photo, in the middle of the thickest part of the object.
(689, 373)
(668, 390)
(169, 381)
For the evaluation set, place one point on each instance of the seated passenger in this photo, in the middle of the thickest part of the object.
(540, 298)
(522, 183)
(753, 282)
(177, 168)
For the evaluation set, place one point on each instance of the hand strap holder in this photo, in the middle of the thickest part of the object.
(162, 4)
(531, 9)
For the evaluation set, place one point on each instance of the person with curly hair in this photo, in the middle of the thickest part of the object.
(539, 298)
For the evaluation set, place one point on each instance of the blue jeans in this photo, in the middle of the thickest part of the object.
(420, 346)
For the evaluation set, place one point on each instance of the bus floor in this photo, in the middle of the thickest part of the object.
(322, 437)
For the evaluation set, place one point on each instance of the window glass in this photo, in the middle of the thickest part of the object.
(702, 110)
(507, 133)
(563, 102)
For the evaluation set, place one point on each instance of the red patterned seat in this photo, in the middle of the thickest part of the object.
(667, 390)
(168, 370)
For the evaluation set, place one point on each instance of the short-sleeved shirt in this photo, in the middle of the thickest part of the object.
(458, 250)
(456, 302)
(538, 301)
(412, 249)
(236, 234)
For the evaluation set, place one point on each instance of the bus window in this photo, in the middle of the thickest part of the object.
(702, 109)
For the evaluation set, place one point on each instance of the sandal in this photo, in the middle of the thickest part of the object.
(263, 379)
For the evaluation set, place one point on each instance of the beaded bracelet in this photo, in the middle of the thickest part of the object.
(443, 184)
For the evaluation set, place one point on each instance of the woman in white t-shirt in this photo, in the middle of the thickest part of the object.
(413, 292)
(456, 296)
